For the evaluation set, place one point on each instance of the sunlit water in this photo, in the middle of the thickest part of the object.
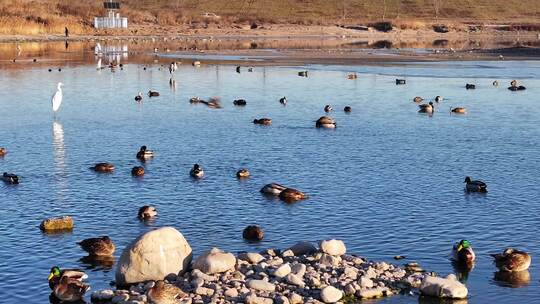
(387, 181)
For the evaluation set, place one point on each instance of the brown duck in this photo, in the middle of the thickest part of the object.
(165, 293)
(101, 246)
(512, 260)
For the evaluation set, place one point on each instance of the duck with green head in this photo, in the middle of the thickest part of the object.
(463, 254)
(56, 275)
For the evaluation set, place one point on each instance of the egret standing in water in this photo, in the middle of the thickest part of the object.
(57, 98)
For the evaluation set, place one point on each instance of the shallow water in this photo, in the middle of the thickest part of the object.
(387, 181)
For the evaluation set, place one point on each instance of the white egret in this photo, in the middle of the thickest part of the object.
(56, 99)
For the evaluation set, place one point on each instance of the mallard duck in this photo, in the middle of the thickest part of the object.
(463, 254)
(418, 99)
(196, 171)
(474, 185)
(147, 212)
(400, 81)
(103, 167)
(153, 93)
(328, 108)
(470, 86)
(458, 110)
(98, 246)
(347, 109)
(263, 121)
(439, 98)
(73, 274)
(239, 102)
(242, 173)
(69, 290)
(144, 153)
(3, 152)
(325, 122)
(10, 178)
(165, 293)
(512, 260)
(272, 189)
(139, 97)
(426, 108)
(291, 195)
(283, 100)
(137, 171)
(253, 233)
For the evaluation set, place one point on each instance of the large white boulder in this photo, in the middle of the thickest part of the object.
(330, 294)
(215, 261)
(153, 256)
(448, 287)
(333, 247)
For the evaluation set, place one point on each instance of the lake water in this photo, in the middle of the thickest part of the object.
(387, 181)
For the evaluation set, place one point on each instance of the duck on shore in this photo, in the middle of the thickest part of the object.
(10, 178)
(103, 167)
(147, 212)
(512, 260)
(165, 293)
(463, 254)
(144, 153)
(101, 246)
(197, 171)
(474, 185)
(426, 108)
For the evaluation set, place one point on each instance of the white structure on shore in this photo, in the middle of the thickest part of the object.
(113, 20)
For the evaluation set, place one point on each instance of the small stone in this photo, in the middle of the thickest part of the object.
(295, 280)
(329, 260)
(237, 275)
(275, 261)
(365, 282)
(203, 291)
(260, 285)
(231, 293)
(102, 295)
(253, 258)
(281, 300)
(295, 298)
(330, 294)
(282, 270)
(254, 299)
(333, 247)
(351, 273)
(287, 253)
(371, 273)
(197, 282)
(371, 293)
(349, 289)
(299, 269)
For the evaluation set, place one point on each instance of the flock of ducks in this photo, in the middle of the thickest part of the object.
(68, 285)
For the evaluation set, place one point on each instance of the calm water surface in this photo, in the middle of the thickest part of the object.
(388, 181)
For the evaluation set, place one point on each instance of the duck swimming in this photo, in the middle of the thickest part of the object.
(512, 260)
(3, 152)
(347, 109)
(352, 76)
(328, 108)
(263, 121)
(326, 122)
(283, 100)
(242, 173)
(253, 233)
(70, 290)
(426, 108)
(73, 274)
(438, 98)
(272, 189)
(137, 171)
(514, 86)
(470, 86)
(474, 185)
(144, 153)
(418, 99)
(291, 195)
(463, 254)
(196, 171)
(153, 93)
(458, 110)
(103, 167)
(303, 73)
(139, 97)
(400, 81)
(10, 178)
(239, 102)
(147, 212)
(101, 246)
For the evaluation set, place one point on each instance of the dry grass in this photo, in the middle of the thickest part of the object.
(33, 17)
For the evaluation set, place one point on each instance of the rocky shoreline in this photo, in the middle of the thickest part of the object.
(303, 273)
